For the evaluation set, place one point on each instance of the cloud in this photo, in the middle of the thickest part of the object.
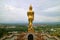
(41, 18)
(13, 14)
(50, 12)
(52, 9)
(9, 7)
(16, 10)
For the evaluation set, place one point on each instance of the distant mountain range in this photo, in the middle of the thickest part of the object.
(48, 23)
(34, 23)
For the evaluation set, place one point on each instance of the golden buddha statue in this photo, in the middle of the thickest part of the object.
(31, 34)
(30, 15)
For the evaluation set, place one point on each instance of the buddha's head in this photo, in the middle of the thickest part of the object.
(30, 8)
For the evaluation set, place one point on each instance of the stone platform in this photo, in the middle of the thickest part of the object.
(29, 36)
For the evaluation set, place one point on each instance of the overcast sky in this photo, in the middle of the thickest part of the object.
(15, 11)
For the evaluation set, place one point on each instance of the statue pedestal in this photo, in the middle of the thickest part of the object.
(30, 36)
